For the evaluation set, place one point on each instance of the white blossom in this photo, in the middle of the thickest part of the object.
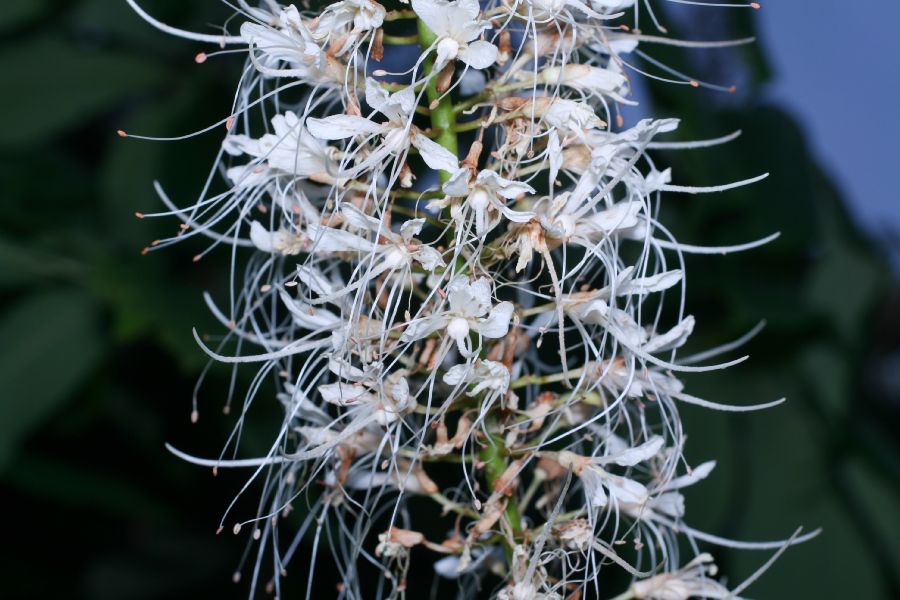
(457, 28)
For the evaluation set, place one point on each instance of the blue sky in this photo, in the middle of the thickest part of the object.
(837, 69)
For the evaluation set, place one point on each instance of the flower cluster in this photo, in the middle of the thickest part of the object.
(454, 274)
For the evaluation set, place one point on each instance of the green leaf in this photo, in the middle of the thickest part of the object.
(23, 264)
(16, 13)
(55, 86)
(51, 344)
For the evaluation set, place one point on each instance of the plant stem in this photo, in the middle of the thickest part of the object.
(443, 121)
(443, 117)
(494, 456)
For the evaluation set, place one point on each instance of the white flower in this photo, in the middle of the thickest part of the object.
(485, 198)
(600, 485)
(392, 251)
(485, 374)
(347, 19)
(622, 325)
(457, 28)
(469, 310)
(386, 400)
(397, 133)
(691, 581)
(290, 151)
(596, 80)
(291, 42)
(290, 49)
(281, 241)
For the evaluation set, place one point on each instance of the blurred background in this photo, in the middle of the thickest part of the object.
(98, 367)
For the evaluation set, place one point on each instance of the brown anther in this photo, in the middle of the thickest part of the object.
(378, 45)
(504, 47)
(445, 77)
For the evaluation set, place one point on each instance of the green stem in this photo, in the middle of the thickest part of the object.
(494, 456)
(443, 117)
(443, 122)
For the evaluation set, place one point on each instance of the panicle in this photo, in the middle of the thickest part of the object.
(449, 263)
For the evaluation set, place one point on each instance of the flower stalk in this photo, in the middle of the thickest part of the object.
(443, 117)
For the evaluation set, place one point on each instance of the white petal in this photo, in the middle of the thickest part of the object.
(503, 187)
(435, 14)
(339, 127)
(627, 490)
(653, 283)
(435, 156)
(469, 299)
(376, 96)
(421, 328)
(673, 338)
(261, 237)
(309, 317)
(479, 54)
(698, 473)
(315, 280)
(633, 456)
(411, 228)
(670, 503)
(428, 257)
(345, 394)
(554, 152)
(458, 184)
(457, 374)
(621, 216)
(359, 219)
(593, 488)
(327, 239)
(497, 323)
